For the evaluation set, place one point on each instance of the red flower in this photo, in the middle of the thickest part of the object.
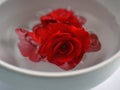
(63, 44)
(63, 16)
(60, 37)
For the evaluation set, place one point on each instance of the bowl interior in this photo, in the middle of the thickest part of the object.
(24, 13)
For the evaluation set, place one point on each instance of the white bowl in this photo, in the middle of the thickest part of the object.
(103, 19)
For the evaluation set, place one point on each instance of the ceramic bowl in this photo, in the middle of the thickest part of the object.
(17, 71)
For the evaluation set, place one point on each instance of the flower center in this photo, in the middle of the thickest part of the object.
(64, 48)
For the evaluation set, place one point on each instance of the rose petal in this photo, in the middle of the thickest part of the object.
(61, 16)
(95, 44)
(82, 19)
(72, 64)
(27, 49)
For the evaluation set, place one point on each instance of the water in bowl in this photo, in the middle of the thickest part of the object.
(99, 20)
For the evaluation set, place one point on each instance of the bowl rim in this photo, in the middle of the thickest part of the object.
(60, 74)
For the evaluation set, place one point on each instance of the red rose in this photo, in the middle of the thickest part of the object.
(63, 16)
(60, 37)
(63, 45)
